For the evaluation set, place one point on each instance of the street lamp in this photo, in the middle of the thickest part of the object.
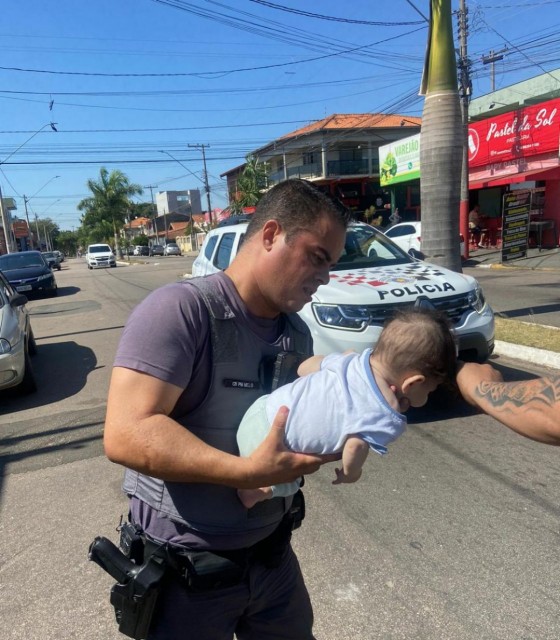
(26, 200)
(5, 221)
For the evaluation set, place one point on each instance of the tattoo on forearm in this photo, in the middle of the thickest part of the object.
(500, 394)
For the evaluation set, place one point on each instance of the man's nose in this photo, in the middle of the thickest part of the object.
(324, 275)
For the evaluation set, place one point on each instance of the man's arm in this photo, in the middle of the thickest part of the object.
(529, 407)
(354, 455)
(140, 435)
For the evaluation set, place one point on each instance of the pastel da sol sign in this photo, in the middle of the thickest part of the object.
(521, 133)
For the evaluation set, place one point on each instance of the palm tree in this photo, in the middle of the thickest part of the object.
(251, 184)
(108, 205)
(441, 145)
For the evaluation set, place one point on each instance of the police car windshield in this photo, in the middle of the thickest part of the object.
(366, 247)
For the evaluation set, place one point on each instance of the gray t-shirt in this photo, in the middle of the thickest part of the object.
(167, 336)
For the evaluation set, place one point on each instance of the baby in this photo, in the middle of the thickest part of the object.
(353, 402)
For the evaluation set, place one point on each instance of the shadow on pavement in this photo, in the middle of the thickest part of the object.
(61, 371)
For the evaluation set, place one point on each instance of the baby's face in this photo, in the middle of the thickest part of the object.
(418, 393)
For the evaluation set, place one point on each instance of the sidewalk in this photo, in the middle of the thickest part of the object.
(547, 259)
(539, 260)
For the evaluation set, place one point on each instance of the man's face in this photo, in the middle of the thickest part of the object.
(294, 270)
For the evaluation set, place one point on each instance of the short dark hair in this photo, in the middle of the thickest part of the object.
(296, 205)
(419, 340)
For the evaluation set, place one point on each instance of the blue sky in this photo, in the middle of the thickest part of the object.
(127, 80)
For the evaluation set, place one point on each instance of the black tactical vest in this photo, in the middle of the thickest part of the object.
(241, 364)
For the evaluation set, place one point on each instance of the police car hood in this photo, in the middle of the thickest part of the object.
(391, 284)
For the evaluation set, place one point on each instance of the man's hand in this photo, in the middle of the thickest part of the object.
(470, 375)
(272, 462)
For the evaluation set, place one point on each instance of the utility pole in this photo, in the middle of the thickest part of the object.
(206, 185)
(491, 58)
(25, 199)
(38, 234)
(465, 89)
(151, 187)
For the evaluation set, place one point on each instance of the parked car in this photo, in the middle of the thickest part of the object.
(59, 255)
(17, 343)
(52, 260)
(408, 235)
(156, 250)
(172, 249)
(140, 250)
(372, 279)
(219, 248)
(100, 255)
(29, 273)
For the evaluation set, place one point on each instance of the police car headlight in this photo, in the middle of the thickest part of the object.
(340, 316)
(476, 298)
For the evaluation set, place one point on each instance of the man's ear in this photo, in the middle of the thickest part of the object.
(270, 232)
(410, 381)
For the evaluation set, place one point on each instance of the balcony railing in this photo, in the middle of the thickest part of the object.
(351, 167)
(334, 168)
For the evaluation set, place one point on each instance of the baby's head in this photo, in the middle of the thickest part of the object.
(417, 352)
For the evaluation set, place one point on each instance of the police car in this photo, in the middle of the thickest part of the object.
(372, 279)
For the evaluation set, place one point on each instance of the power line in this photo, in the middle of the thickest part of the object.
(320, 16)
(208, 74)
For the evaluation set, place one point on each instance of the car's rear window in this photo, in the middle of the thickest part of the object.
(210, 247)
(223, 255)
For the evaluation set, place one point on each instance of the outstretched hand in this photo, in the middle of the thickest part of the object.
(273, 463)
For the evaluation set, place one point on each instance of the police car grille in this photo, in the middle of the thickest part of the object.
(454, 306)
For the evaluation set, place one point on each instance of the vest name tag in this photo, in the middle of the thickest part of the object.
(241, 384)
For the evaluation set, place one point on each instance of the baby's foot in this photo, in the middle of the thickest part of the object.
(250, 497)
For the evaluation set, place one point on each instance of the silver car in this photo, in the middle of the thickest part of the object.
(17, 343)
(172, 249)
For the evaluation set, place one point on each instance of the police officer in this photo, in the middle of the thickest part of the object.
(193, 356)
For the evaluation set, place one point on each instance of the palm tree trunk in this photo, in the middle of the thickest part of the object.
(441, 143)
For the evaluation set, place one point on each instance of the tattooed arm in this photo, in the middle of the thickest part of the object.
(529, 407)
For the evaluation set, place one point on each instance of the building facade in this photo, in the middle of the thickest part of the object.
(184, 202)
(340, 154)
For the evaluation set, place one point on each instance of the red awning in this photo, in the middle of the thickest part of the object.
(536, 174)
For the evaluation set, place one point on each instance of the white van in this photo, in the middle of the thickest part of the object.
(100, 255)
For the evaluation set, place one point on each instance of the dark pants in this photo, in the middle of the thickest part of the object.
(272, 604)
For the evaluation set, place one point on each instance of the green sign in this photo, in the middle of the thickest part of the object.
(399, 161)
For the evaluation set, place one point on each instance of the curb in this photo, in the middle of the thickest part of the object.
(527, 354)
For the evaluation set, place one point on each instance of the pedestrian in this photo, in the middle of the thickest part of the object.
(528, 407)
(352, 402)
(193, 357)
(475, 226)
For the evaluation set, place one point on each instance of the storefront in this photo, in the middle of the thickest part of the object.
(518, 151)
(399, 172)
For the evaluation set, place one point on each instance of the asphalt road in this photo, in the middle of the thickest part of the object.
(454, 534)
(522, 294)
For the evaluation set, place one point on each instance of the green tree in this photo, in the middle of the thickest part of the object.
(47, 231)
(251, 184)
(441, 139)
(106, 210)
(67, 242)
(141, 210)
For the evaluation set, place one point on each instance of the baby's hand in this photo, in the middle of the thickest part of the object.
(343, 478)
